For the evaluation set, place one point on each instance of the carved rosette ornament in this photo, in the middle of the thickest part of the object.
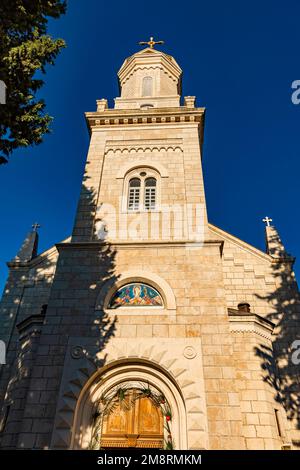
(122, 396)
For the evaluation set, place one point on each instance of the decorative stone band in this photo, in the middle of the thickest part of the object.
(247, 322)
(132, 441)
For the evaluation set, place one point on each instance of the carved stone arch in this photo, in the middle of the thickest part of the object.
(174, 79)
(88, 367)
(127, 167)
(122, 372)
(111, 286)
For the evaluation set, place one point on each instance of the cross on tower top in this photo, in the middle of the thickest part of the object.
(35, 227)
(150, 43)
(267, 221)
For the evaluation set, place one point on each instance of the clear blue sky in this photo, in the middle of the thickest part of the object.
(239, 58)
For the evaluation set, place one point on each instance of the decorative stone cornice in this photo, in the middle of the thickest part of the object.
(115, 117)
(43, 257)
(146, 59)
(247, 322)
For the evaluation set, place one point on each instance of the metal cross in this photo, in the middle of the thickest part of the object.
(267, 220)
(35, 226)
(150, 43)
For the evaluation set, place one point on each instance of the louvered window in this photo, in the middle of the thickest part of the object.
(134, 194)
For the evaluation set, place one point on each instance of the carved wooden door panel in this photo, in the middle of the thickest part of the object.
(133, 423)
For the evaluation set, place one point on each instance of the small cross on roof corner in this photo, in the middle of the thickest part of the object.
(267, 221)
(150, 43)
(35, 227)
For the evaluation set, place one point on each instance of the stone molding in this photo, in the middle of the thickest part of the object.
(247, 322)
(238, 242)
(149, 67)
(110, 287)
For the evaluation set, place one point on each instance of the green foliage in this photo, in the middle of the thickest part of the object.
(125, 397)
(25, 50)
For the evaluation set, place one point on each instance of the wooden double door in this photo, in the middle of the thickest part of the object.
(134, 423)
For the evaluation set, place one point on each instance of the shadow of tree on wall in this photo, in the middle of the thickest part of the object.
(91, 229)
(22, 312)
(36, 358)
(279, 371)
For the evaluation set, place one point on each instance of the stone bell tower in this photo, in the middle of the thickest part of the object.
(147, 292)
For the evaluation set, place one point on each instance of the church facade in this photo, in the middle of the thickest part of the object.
(149, 327)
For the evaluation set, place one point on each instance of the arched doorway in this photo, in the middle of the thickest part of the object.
(130, 405)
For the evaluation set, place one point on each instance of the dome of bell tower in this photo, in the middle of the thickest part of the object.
(149, 78)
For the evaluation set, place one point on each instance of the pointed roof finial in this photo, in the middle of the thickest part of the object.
(29, 248)
(150, 43)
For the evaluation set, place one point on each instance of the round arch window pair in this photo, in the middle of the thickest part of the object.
(136, 294)
(146, 187)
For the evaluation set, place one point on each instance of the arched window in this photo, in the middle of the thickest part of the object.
(244, 307)
(147, 86)
(134, 194)
(150, 193)
(147, 106)
(136, 295)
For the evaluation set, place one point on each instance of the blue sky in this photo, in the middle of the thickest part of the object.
(238, 58)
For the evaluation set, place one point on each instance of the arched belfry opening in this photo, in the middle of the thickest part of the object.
(147, 86)
(129, 415)
(132, 404)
